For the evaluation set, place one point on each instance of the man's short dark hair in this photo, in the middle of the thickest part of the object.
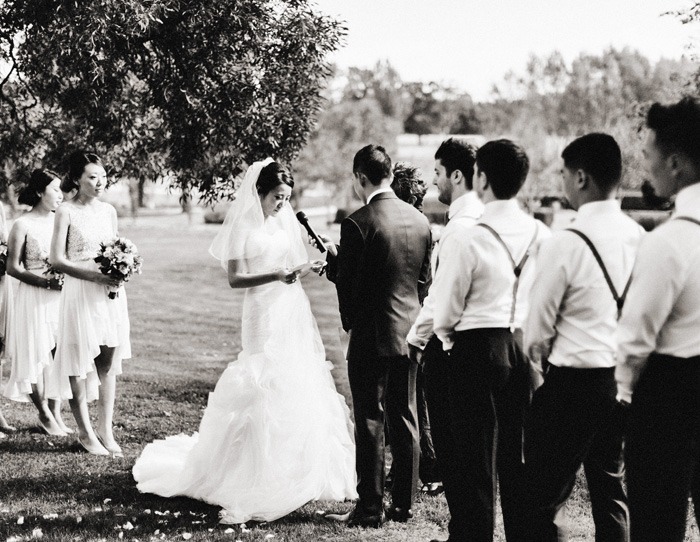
(458, 154)
(677, 127)
(505, 165)
(599, 156)
(373, 162)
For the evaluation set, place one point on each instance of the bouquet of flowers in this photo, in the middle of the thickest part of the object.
(3, 258)
(51, 273)
(118, 259)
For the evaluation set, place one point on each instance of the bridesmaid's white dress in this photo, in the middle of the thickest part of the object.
(275, 434)
(88, 319)
(32, 329)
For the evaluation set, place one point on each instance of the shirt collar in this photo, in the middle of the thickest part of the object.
(468, 204)
(500, 207)
(598, 207)
(688, 200)
(379, 191)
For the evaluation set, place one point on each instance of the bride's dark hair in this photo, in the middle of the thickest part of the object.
(271, 176)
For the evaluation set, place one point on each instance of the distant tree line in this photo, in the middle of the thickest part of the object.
(191, 91)
(543, 107)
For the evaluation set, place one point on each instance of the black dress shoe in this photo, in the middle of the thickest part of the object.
(396, 513)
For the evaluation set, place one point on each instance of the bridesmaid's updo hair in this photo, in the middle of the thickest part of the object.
(76, 165)
(32, 191)
(271, 176)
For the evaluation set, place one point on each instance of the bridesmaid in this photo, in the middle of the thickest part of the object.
(31, 336)
(4, 296)
(93, 330)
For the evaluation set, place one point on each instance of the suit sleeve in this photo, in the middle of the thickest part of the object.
(426, 276)
(348, 263)
(332, 267)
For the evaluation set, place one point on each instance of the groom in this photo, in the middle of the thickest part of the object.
(383, 258)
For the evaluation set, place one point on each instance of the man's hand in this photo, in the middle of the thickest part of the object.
(330, 245)
(415, 354)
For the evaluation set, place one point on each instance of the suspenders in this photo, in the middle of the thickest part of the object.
(619, 299)
(517, 267)
(688, 219)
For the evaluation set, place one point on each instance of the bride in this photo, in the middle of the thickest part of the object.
(275, 434)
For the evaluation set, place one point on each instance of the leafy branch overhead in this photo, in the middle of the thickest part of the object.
(198, 87)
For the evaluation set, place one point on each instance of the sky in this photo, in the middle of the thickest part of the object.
(471, 44)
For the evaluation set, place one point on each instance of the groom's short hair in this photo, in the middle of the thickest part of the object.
(373, 162)
(458, 154)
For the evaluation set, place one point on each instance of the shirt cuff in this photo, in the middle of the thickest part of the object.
(414, 340)
(446, 341)
(626, 375)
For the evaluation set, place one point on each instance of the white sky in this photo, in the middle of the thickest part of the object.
(473, 43)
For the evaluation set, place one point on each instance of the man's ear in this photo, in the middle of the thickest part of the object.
(582, 179)
(456, 176)
(362, 179)
(481, 181)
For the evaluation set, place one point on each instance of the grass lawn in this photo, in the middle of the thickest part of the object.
(185, 324)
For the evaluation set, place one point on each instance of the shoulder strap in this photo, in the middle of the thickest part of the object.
(619, 299)
(688, 219)
(517, 267)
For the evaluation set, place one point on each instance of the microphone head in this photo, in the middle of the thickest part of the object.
(301, 217)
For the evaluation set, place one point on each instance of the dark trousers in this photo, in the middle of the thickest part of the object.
(377, 385)
(477, 397)
(573, 420)
(663, 448)
(427, 469)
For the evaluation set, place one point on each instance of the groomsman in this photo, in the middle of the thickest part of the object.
(454, 171)
(480, 292)
(581, 279)
(383, 258)
(659, 354)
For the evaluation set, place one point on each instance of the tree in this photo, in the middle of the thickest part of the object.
(343, 129)
(202, 86)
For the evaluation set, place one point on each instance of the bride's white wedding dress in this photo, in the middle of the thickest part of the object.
(275, 434)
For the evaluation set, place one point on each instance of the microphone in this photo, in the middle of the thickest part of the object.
(304, 220)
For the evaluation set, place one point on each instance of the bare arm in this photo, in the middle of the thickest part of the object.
(238, 279)
(15, 257)
(59, 260)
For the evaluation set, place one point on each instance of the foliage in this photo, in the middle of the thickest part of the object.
(200, 87)
(342, 130)
(373, 105)
(552, 103)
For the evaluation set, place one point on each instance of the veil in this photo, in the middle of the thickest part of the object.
(245, 216)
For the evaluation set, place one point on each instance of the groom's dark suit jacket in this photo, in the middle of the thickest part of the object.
(383, 260)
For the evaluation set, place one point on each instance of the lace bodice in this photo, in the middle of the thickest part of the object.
(89, 226)
(38, 241)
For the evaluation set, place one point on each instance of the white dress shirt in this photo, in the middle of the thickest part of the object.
(379, 191)
(662, 313)
(474, 284)
(573, 315)
(463, 212)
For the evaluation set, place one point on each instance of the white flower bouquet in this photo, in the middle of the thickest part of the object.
(120, 260)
